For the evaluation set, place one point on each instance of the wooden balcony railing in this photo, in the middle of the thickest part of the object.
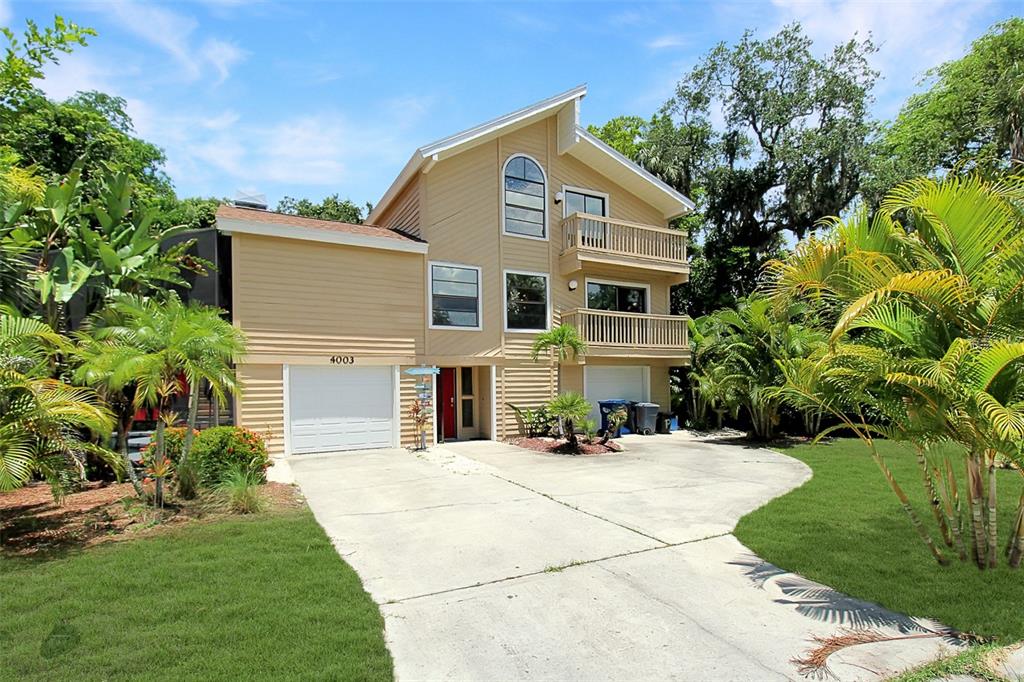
(630, 330)
(586, 232)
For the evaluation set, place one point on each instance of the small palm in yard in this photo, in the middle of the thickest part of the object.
(564, 341)
(42, 420)
(240, 487)
(571, 408)
(926, 349)
(142, 346)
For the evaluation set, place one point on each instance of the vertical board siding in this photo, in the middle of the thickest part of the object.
(525, 386)
(261, 404)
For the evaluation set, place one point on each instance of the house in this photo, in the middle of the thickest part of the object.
(485, 238)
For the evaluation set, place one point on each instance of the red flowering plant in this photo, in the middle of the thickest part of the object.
(221, 448)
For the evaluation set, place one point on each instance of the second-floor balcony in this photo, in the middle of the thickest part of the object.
(611, 333)
(588, 238)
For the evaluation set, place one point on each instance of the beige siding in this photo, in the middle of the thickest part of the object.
(523, 386)
(261, 404)
(460, 218)
(407, 395)
(404, 213)
(300, 301)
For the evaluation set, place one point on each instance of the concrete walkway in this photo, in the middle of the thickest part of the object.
(495, 563)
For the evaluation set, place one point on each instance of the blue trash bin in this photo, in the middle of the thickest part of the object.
(606, 407)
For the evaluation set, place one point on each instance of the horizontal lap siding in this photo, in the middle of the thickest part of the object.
(461, 218)
(299, 298)
(404, 213)
(261, 403)
(407, 395)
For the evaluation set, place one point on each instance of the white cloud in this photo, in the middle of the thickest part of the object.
(173, 33)
(77, 72)
(666, 42)
(912, 37)
(325, 149)
(222, 56)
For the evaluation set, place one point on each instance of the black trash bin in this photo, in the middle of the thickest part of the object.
(606, 407)
(646, 417)
(664, 422)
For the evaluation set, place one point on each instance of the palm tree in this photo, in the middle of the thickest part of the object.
(571, 408)
(563, 342)
(42, 419)
(146, 346)
(928, 298)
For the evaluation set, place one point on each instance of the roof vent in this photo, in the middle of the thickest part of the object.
(248, 199)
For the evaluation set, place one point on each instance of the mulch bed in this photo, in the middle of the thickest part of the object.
(32, 523)
(560, 446)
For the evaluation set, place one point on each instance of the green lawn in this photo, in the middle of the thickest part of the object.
(262, 597)
(844, 528)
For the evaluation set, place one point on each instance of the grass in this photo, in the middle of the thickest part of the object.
(970, 663)
(845, 528)
(261, 597)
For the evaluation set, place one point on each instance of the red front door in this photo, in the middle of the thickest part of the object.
(448, 427)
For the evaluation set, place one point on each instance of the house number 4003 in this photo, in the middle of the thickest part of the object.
(342, 359)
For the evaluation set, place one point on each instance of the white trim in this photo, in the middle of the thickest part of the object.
(494, 402)
(590, 192)
(315, 234)
(687, 204)
(287, 409)
(479, 296)
(647, 386)
(466, 138)
(396, 396)
(501, 180)
(614, 282)
(504, 301)
(435, 379)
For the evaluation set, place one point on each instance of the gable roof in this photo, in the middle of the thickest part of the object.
(272, 224)
(572, 139)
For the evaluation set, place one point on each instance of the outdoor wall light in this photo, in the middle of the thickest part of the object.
(558, 197)
(573, 284)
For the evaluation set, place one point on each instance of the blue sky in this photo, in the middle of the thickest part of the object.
(313, 98)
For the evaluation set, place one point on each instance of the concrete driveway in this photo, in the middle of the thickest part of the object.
(495, 563)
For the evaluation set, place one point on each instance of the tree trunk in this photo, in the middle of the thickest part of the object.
(976, 491)
(193, 415)
(1016, 548)
(933, 496)
(125, 421)
(915, 520)
(993, 513)
(161, 454)
(953, 516)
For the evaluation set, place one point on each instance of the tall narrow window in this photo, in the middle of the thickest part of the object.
(524, 198)
(526, 301)
(454, 296)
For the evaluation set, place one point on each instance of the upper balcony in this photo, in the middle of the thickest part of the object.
(595, 239)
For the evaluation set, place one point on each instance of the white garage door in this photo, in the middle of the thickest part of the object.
(605, 383)
(341, 408)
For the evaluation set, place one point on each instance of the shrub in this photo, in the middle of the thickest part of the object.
(215, 451)
(536, 422)
(240, 486)
(572, 408)
(174, 442)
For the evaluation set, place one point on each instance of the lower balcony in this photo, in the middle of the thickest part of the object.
(614, 334)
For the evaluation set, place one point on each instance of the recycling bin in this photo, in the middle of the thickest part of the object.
(645, 417)
(606, 407)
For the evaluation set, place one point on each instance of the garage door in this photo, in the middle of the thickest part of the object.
(341, 408)
(604, 383)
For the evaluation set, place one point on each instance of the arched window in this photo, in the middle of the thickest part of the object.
(525, 198)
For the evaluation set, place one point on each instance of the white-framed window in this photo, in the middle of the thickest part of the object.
(454, 296)
(527, 301)
(623, 297)
(583, 200)
(524, 208)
